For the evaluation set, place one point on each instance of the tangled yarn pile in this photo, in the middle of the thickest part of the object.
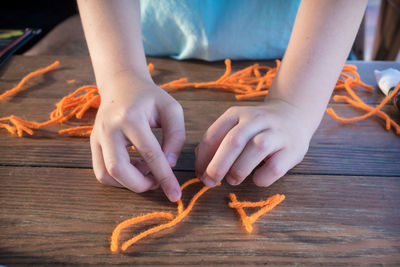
(250, 82)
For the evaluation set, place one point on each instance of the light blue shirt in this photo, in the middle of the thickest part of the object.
(217, 29)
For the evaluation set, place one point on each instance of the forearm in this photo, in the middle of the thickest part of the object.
(113, 34)
(321, 40)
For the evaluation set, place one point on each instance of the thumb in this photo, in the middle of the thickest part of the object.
(173, 129)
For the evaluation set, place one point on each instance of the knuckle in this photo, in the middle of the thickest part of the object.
(115, 121)
(126, 116)
(207, 139)
(230, 110)
(215, 173)
(276, 171)
(150, 156)
(179, 136)
(120, 117)
(114, 168)
(139, 190)
(258, 116)
(164, 180)
(261, 143)
(238, 174)
(103, 179)
(234, 109)
(235, 140)
(175, 107)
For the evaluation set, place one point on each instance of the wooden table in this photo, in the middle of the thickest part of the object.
(341, 208)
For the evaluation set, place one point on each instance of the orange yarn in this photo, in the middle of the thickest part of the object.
(77, 131)
(251, 95)
(250, 82)
(73, 105)
(132, 221)
(182, 213)
(19, 86)
(356, 101)
(150, 67)
(267, 205)
(247, 83)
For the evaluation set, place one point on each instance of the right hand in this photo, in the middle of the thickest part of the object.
(130, 107)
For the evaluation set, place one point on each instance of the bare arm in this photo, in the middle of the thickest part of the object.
(114, 37)
(278, 132)
(131, 104)
(321, 40)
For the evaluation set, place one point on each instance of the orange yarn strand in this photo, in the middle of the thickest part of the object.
(251, 95)
(72, 105)
(182, 213)
(19, 86)
(357, 102)
(246, 83)
(174, 82)
(267, 205)
(88, 105)
(77, 131)
(242, 213)
(170, 224)
(374, 110)
(389, 122)
(250, 82)
(272, 202)
(9, 128)
(150, 67)
(227, 71)
(136, 220)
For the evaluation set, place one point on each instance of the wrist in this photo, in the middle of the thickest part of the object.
(309, 118)
(123, 76)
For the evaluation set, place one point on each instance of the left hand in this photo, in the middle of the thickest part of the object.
(276, 132)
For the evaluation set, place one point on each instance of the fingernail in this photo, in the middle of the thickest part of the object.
(231, 181)
(208, 181)
(172, 158)
(174, 195)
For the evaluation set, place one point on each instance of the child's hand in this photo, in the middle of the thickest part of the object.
(130, 107)
(242, 137)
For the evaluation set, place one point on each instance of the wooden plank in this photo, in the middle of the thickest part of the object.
(63, 216)
(362, 148)
(54, 85)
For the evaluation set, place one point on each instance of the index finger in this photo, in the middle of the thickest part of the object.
(148, 147)
(212, 139)
(117, 162)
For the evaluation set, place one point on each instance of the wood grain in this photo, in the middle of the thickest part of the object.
(63, 216)
(362, 148)
(341, 208)
(54, 84)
